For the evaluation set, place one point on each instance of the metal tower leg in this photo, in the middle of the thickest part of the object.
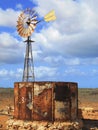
(28, 72)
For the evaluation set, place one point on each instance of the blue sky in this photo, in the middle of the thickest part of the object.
(64, 50)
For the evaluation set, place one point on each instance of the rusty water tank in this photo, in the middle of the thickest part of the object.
(52, 101)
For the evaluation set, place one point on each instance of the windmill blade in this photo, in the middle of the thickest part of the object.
(50, 16)
(33, 18)
(28, 32)
(34, 22)
(20, 19)
(19, 26)
(33, 26)
(22, 15)
(20, 30)
(34, 12)
(27, 11)
(30, 28)
(19, 23)
(24, 33)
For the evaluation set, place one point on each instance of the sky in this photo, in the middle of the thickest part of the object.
(64, 50)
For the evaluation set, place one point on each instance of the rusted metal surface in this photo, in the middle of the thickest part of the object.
(16, 101)
(23, 96)
(42, 101)
(62, 111)
(62, 101)
(74, 100)
(66, 101)
(52, 101)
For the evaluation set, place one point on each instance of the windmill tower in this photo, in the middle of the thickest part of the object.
(26, 24)
(28, 73)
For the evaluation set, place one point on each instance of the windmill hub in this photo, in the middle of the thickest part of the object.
(28, 22)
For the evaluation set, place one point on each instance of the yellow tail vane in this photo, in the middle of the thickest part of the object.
(50, 16)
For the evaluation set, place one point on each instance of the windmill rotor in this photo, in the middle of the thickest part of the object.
(27, 22)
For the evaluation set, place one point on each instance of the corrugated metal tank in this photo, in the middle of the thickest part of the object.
(52, 101)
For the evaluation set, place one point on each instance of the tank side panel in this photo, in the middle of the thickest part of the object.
(16, 101)
(29, 103)
(74, 101)
(42, 108)
(62, 111)
(23, 100)
(22, 103)
(62, 102)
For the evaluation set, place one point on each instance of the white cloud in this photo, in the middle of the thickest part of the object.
(7, 40)
(11, 74)
(8, 17)
(3, 72)
(43, 72)
(95, 72)
(11, 49)
(74, 72)
(19, 6)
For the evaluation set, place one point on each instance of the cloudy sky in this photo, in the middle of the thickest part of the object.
(64, 50)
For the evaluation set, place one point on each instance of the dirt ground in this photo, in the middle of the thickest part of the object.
(86, 98)
(6, 99)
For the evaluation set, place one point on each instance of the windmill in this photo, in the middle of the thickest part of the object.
(26, 24)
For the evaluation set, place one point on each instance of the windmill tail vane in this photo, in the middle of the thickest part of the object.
(50, 16)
